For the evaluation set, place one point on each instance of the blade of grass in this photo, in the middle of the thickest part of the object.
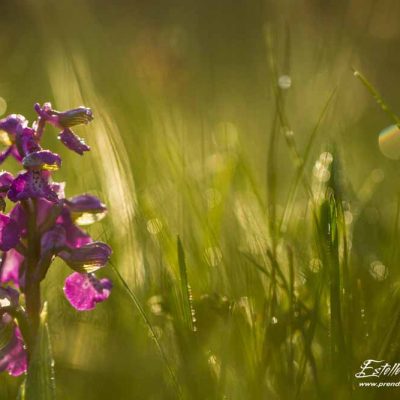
(149, 326)
(301, 165)
(188, 310)
(378, 98)
(40, 381)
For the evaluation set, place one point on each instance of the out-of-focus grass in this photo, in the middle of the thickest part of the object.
(289, 279)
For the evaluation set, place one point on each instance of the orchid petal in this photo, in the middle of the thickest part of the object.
(11, 267)
(76, 237)
(32, 184)
(13, 124)
(9, 233)
(73, 142)
(53, 239)
(87, 258)
(43, 159)
(13, 357)
(84, 291)
(86, 209)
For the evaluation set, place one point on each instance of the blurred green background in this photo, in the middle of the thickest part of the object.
(186, 102)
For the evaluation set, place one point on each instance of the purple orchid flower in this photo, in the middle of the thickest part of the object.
(64, 121)
(41, 226)
(63, 239)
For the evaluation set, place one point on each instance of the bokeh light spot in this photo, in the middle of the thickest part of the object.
(378, 270)
(389, 142)
(285, 82)
(3, 106)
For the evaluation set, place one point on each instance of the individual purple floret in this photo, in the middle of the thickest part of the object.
(84, 291)
(13, 358)
(11, 268)
(43, 225)
(11, 127)
(9, 233)
(73, 142)
(65, 120)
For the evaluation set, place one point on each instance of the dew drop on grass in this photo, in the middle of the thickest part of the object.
(321, 173)
(285, 82)
(287, 132)
(326, 157)
(274, 320)
(389, 142)
(378, 270)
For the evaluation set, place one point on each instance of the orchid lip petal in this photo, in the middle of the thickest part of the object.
(84, 291)
(32, 184)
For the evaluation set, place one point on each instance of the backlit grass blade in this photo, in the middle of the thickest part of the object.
(188, 309)
(149, 326)
(378, 98)
(40, 381)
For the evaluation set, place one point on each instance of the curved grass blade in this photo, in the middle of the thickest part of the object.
(151, 330)
(40, 381)
(301, 165)
(21, 391)
(378, 98)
